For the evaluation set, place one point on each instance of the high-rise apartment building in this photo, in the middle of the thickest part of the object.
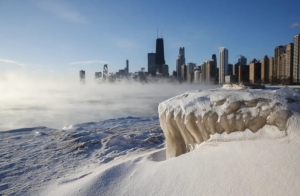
(242, 60)
(271, 68)
(288, 66)
(265, 70)
(223, 67)
(296, 60)
(203, 72)
(160, 55)
(243, 74)
(151, 64)
(210, 72)
(235, 69)
(255, 72)
(277, 52)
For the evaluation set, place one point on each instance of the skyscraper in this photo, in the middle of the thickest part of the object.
(271, 68)
(160, 55)
(265, 70)
(179, 62)
(183, 72)
(296, 59)
(242, 60)
(165, 70)
(151, 64)
(210, 72)
(214, 57)
(223, 67)
(277, 52)
(190, 72)
(105, 71)
(255, 72)
(288, 68)
(127, 67)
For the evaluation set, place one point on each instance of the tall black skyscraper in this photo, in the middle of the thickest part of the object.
(214, 57)
(160, 55)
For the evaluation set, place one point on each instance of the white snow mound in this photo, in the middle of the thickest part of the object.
(191, 118)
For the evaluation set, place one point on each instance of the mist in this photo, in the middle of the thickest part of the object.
(56, 102)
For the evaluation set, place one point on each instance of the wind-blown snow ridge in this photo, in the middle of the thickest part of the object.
(37, 156)
(189, 119)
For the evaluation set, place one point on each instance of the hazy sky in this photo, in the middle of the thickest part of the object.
(67, 35)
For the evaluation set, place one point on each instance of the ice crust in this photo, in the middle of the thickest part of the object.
(191, 118)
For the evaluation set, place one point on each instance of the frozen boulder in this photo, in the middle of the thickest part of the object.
(191, 118)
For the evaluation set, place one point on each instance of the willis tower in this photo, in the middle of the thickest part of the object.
(160, 56)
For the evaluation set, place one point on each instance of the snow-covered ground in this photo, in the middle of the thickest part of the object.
(127, 156)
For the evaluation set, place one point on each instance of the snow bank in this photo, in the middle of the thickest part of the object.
(191, 118)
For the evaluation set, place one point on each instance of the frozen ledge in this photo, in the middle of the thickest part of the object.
(190, 119)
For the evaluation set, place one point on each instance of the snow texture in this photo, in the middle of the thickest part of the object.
(126, 156)
(191, 118)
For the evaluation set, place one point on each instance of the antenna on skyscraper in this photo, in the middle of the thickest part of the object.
(161, 34)
(157, 33)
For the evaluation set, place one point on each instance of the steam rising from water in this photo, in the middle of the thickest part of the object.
(57, 102)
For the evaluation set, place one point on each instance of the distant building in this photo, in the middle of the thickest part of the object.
(243, 74)
(296, 60)
(255, 72)
(214, 58)
(242, 60)
(288, 68)
(230, 69)
(127, 67)
(265, 70)
(82, 76)
(179, 62)
(203, 72)
(105, 72)
(190, 72)
(277, 52)
(160, 55)
(235, 70)
(271, 72)
(197, 74)
(229, 79)
(210, 71)
(98, 75)
(151, 64)
(183, 73)
(223, 67)
(165, 70)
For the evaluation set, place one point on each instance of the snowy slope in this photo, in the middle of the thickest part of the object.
(32, 158)
(126, 156)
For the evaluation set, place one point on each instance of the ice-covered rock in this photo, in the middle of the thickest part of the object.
(191, 118)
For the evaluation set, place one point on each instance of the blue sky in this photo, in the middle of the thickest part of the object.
(64, 36)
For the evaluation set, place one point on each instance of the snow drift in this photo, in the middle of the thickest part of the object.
(191, 118)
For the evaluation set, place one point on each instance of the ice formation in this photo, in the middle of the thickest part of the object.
(190, 118)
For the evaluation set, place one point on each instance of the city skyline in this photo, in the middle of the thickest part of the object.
(67, 36)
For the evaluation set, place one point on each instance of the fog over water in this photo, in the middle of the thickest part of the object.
(59, 102)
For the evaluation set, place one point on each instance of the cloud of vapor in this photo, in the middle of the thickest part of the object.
(295, 25)
(61, 10)
(28, 101)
